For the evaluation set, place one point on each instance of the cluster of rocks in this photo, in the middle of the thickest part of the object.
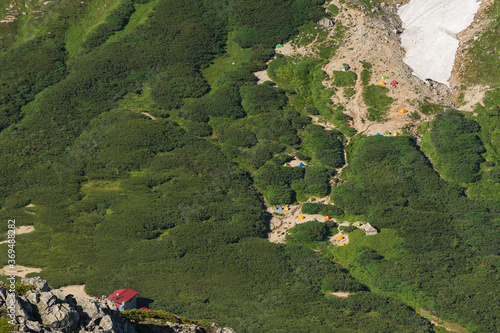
(46, 310)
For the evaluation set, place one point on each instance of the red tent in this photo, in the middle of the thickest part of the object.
(393, 82)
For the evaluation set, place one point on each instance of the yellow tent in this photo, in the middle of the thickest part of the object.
(286, 207)
(301, 217)
(382, 83)
(396, 133)
(403, 111)
(340, 237)
(343, 244)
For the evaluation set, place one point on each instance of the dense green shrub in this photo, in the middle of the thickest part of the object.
(115, 21)
(170, 87)
(260, 99)
(302, 156)
(375, 97)
(308, 233)
(458, 149)
(225, 103)
(333, 9)
(392, 183)
(344, 79)
(327, 146)
(270, 23)
(22, 289)
(366, 77)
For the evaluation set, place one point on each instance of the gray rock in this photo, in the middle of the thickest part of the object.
(36, 281)
(326, 23)
(33, 297)
(23, 308)
(60, 316)
(106, 323)
(227, 330)
(89, 307)
(33, 326)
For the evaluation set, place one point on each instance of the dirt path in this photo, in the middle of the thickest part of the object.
(148, 115)
(436, 321)
(21, 271)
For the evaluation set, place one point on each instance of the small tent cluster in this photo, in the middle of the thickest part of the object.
(387, 133)
(384, 77)
(281, 208)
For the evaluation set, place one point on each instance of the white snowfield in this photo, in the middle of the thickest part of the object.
(430, 32)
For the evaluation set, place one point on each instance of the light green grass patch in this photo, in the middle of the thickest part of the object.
(384, 243)
(234, 57)
(140, 16)
(95, 14)
(137, 102)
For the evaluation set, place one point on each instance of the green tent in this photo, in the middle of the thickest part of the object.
(384, 77)
(279, 45)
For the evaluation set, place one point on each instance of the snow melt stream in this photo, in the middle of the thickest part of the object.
(430, 35)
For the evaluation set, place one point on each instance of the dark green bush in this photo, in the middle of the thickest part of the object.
(344, 79)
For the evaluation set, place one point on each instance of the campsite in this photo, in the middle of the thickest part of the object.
(266, 165)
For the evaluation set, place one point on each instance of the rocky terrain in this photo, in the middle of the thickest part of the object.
(46, 310)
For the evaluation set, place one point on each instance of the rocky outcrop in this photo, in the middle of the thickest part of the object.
(45, 310)
(51, 311)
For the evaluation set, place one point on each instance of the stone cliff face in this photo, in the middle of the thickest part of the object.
(45, 310)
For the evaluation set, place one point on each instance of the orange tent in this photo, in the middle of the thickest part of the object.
(327, 218)
(403, 111)
(340, 237)
(301, 217)
(382, 83)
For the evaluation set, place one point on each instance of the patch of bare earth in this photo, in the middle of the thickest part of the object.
(341, 294)
(24, 229)
(75, 290)
(262, 76)
(280, 224)
(19, 270)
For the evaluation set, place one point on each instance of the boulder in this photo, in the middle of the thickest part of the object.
(39, 283)
(33, 326)
(106, 323)
(89, 307)
(326, 23)
(60, 316)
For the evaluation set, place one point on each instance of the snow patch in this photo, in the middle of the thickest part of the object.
(430, 35)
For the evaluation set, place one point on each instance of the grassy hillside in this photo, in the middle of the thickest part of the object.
(138, 133)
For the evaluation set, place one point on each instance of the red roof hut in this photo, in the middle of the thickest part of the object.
(125, 299)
